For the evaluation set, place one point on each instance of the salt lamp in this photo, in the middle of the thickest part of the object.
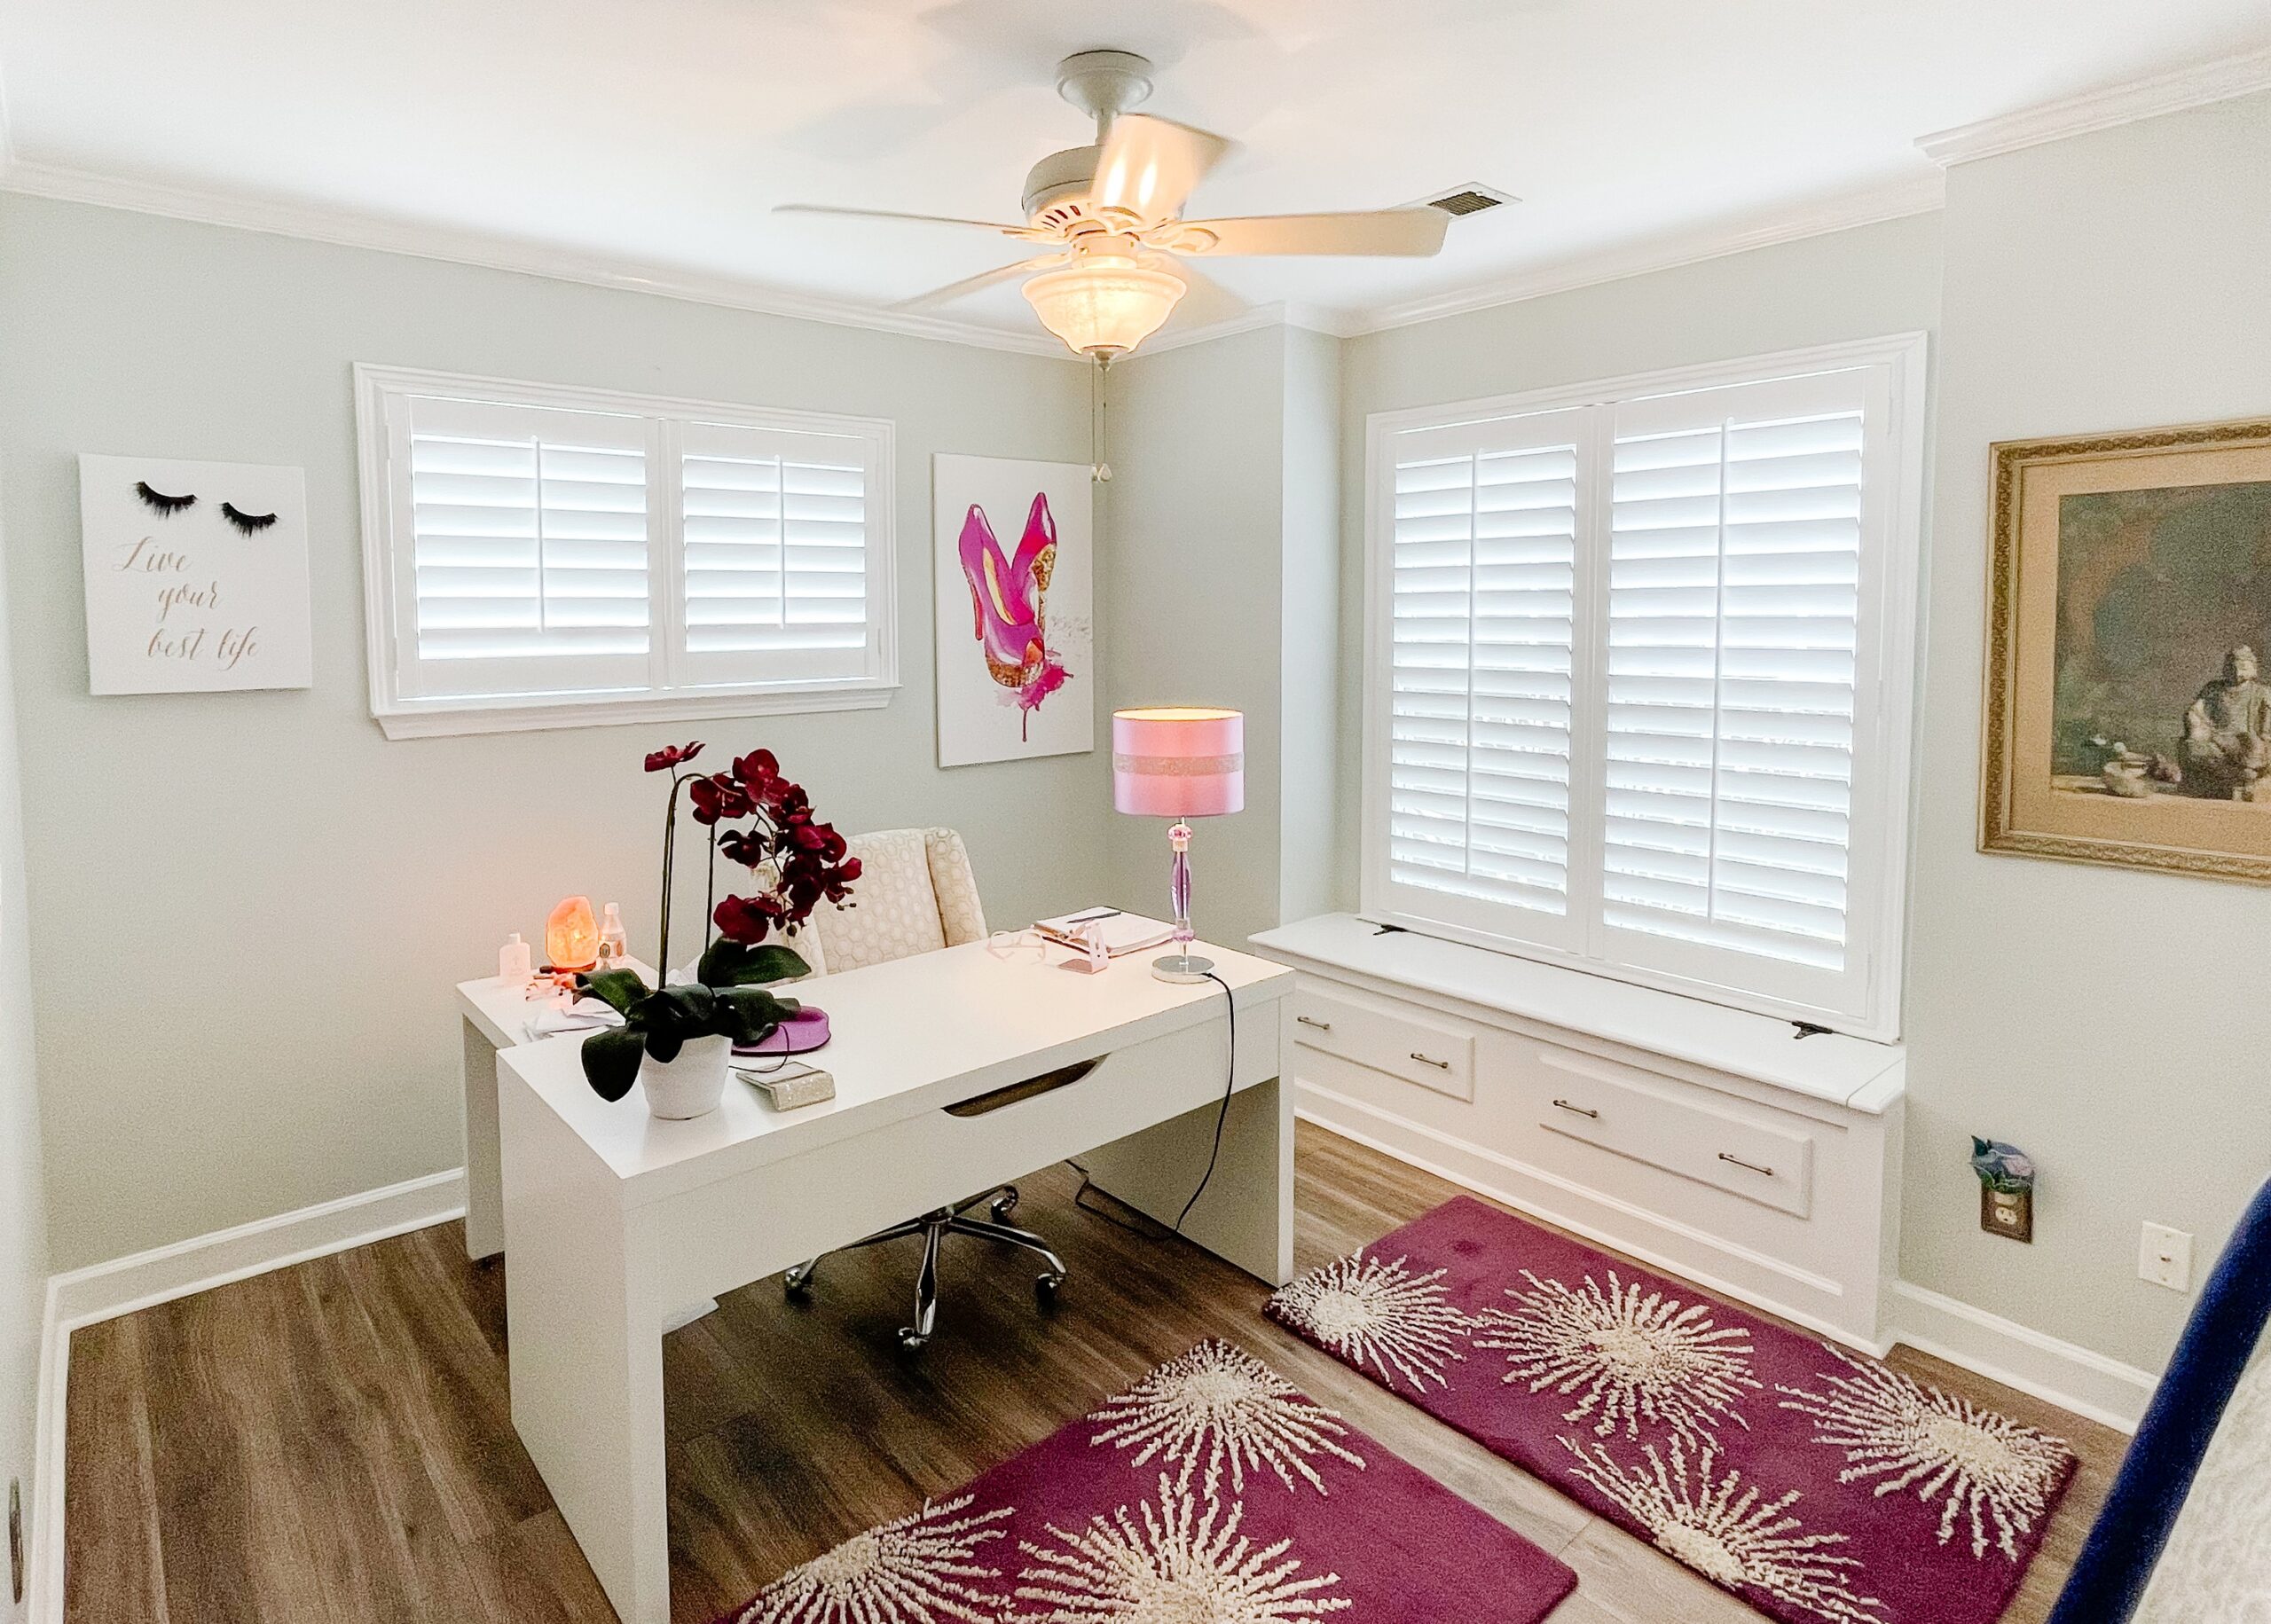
(571, 936)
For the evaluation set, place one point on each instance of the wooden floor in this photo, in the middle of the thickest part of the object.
(331, 1442)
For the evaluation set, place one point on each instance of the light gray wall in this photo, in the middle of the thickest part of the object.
(2113, 1024)
(249, 909)
(1309, 826)
(1864, 283)
(23, 1214)
(1192, 573)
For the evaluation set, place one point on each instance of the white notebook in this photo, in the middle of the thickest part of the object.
(1120, 932)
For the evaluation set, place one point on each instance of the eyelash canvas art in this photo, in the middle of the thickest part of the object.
(159, 500)
(196, 575)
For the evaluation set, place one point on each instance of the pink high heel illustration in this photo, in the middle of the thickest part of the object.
(1006, 599)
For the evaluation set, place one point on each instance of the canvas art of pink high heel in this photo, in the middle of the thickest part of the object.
(1007, 597)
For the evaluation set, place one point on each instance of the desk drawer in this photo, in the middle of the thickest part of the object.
(1389, 1037)
(1621, 1109)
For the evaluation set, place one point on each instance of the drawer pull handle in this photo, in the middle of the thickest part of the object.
(1428, 1060)
(1739, 1162)
(1307, 1020)
(1580, 1110)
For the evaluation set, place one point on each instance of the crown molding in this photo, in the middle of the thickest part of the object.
(1278, 313)
(347, 229)
(2218, 79)
(1898, 200)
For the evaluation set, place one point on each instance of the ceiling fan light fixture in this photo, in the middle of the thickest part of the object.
(1104, 305)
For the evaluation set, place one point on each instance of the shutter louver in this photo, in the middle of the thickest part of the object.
(529, 540)
(1482, 584)
(1733, 621)
(777, 536)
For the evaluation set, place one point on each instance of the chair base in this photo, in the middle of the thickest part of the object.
(934, 1227)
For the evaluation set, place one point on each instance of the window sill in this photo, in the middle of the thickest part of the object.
(1854, 1073)
(420, 723)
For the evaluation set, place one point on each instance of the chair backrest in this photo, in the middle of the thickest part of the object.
(2178, 1539)
(915, 894)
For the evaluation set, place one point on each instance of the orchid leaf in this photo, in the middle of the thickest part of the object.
(611, 1062)
(738, 964)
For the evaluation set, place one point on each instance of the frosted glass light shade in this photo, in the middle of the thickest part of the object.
(1105, 305)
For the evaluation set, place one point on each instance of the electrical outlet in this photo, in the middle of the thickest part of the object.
(2164, 1257)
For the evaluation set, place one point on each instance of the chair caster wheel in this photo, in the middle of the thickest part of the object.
(1046, 1287)
(797, 1286)
(910, 1340)
(1005, 1203)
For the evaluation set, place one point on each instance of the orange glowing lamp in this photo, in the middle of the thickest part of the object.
(571, 936)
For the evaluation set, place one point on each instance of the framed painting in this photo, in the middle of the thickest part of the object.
(1016, 554)
(2128, 717)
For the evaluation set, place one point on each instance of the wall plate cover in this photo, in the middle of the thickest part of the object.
(2164, 1257)
(2009, 1214)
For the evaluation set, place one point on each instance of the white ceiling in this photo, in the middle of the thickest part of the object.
(660, 132)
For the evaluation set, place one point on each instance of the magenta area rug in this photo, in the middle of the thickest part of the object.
(1212, 1491)
(1816, 1485)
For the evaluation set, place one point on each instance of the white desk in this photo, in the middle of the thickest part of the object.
(495, 1015)
(613, 1217)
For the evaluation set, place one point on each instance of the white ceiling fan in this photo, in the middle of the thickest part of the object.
(1111, 215)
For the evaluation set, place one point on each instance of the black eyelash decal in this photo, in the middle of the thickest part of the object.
(249, 523)
(159, 500)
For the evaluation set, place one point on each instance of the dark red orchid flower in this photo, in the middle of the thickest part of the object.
(672, 755)
(760, 775)
(746, 919)
(717, 797)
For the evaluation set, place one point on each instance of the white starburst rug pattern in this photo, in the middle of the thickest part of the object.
(1819, 1486)
(1213, 1491)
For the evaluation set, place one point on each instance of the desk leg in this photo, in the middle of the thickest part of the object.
(484, 1202)
(586, 1357)
(1247, 1214)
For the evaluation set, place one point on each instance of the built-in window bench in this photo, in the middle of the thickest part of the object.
(1715, 1144)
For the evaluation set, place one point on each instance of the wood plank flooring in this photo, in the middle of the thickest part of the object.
(331, 1444)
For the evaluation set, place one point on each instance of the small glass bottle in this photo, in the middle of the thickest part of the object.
(614, 946)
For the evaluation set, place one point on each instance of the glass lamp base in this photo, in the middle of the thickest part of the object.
(1181, 968)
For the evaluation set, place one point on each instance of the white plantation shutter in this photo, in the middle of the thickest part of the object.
(1734, 626)
(536, 550)
(1482, 582)
(528, 558)
(1632, 704)
(777, 537)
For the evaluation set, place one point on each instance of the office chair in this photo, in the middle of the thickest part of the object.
(916, 894)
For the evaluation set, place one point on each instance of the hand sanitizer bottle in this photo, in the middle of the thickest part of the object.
(514, 966)
(614, 946)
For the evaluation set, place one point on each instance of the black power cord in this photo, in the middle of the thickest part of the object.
(1149, 1225)
(1229, 1085)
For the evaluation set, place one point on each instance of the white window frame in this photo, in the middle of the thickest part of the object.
(1885, 676)
(389, 606)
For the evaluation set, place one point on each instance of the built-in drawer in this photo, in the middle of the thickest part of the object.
(1373, 1031)
(1666, 1125)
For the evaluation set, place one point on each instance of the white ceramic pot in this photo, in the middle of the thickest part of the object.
(692, 1084)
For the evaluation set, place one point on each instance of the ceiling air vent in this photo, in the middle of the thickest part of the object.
(1470, 200)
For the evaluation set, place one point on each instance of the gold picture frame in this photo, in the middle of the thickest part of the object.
(2114, 731)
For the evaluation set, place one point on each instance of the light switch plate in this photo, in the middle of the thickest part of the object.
(2164, 1257)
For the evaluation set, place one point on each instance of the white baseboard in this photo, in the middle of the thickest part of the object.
(2074, 1378)
(106, 1291)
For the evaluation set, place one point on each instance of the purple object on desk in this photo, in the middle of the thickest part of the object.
(801, 1034)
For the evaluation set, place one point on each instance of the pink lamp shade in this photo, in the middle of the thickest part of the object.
(1178, 762)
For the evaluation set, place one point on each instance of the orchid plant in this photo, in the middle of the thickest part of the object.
(759, 819)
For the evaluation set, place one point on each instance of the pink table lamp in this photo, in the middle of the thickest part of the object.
(1179, 762)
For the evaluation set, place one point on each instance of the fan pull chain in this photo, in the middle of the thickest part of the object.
(1099, 470)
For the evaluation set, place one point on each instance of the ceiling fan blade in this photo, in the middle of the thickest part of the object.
(1412, 232)
(886, 214)
(979, 282)
(1149, 166)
